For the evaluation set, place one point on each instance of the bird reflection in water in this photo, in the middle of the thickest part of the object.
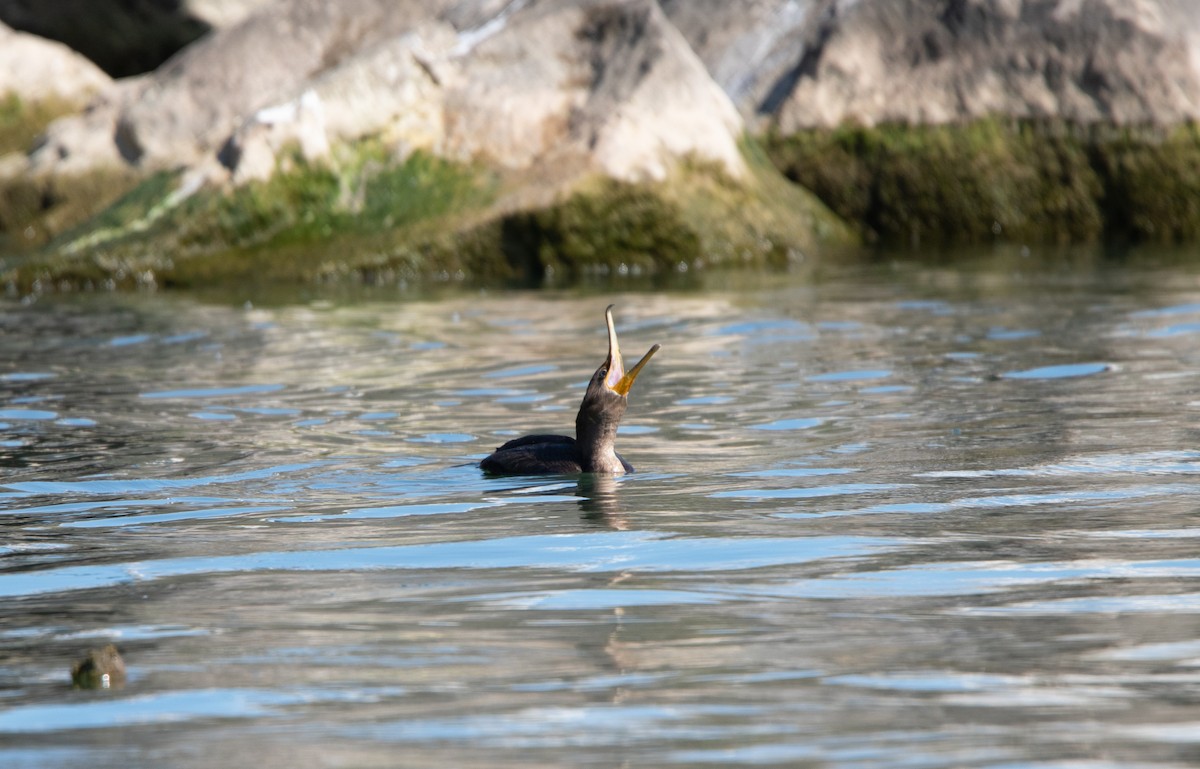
(600, 501)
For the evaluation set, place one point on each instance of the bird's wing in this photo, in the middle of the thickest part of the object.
(525, 456)
(531, 439)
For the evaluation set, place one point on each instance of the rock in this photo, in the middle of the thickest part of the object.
(389, 90)
(747, 47)
(938, 61)
(589, 85)
(184, 112)
(219, 14)
(189, 108)
(808, 63)
(623, 88)
(35, 69)
(100, 669)
(607, 87)
(611, 83)
(125, 37)
(83, 142)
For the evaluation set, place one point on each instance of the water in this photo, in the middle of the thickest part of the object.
(884, 516)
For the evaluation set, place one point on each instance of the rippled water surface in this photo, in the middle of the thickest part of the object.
(884, 517)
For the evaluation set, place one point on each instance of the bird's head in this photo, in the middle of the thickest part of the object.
(607, 393)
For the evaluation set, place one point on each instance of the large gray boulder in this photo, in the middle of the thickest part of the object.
(582, 86)
(188, 108)
(184, 112)
(806, 63)
(610, 84)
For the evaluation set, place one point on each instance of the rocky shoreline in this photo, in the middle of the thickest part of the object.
(378, 140)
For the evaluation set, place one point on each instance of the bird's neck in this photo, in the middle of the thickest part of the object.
(597, 440)
(605, 461)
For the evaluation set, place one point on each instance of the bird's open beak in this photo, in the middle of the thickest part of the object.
(619, 380)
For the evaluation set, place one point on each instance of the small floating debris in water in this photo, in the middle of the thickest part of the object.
(100, 669)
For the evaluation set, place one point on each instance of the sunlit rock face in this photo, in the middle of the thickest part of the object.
(184, 113)
(625, 88)
(611, 83)
(748, 47)
(608, 87)
(33, 68)
(799, 64)
(189, 108)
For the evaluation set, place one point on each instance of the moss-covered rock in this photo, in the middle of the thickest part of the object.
(612, 227)
(699, 217)
(1002, 181)
(363, 194)
(1151, 184)
(949, 184)
(35, 209)
(369, 218)
(21, 121)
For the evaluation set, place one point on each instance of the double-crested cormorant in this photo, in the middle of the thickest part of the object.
(592, 449)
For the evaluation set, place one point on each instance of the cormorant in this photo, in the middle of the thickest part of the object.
(591, 450)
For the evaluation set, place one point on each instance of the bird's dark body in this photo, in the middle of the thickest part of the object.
(540, 455)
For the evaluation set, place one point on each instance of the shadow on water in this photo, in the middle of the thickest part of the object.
(890, 512)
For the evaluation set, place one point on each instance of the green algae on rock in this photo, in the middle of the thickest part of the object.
(21, 120)
(1005, 181)
(373, 219)
(1151, 183)
(697, 217)
(36, 208)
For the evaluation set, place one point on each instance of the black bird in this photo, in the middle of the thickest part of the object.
(592, 449)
